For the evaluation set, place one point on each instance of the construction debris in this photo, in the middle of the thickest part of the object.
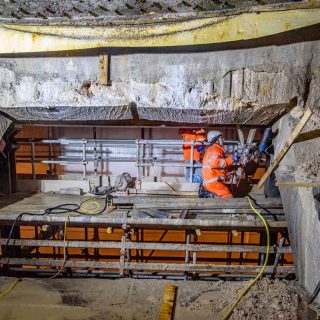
(273, 300)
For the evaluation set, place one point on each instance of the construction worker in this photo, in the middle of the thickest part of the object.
(215, 167)
(193, 135)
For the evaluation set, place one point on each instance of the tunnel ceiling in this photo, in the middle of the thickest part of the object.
(247, 82)
(19, 11)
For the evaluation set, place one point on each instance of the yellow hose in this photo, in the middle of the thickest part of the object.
(84, 207)
(245, 291)
(8, 290)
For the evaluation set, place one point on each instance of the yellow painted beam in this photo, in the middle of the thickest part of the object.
(16, 38)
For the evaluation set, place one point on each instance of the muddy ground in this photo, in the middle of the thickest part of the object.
(69, 299)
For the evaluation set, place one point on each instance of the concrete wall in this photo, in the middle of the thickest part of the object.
(231, 85)
(301, 205)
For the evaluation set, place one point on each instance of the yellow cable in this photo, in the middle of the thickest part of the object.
(86, 204)
(228, 314)
(8, 290)
(64, 250)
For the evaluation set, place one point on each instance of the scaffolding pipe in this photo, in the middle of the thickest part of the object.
(92, 155)
(145, 266)
(33, 161)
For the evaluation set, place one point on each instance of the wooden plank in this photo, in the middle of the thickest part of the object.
(286, 146)
(167, 307)
(298, 184)
(104, 68)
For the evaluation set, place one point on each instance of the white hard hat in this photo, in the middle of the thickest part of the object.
(213, 136)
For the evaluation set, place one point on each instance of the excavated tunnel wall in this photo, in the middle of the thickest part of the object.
(251, 86)
(213, 86)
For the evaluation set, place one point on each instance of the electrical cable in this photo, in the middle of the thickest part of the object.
(245, 291)
(10, 288)
(60, 209)
(14, 224)
(75, 208)
(64, 250)
(80, 209)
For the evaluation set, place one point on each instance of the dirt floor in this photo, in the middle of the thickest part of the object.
(69, 299)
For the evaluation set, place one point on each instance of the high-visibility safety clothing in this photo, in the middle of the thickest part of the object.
(190, 135)
(214, 168)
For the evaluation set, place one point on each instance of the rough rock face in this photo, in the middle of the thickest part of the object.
(26, 10)
(249, 86)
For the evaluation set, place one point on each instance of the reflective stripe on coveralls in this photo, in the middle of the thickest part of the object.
(213, 180)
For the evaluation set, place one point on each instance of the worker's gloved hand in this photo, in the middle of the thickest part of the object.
(236, 158)
(200, 147)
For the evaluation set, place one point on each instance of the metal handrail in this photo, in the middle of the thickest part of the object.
(90, 150)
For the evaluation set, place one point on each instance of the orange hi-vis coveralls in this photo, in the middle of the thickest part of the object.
(214, 167)
(189, 136)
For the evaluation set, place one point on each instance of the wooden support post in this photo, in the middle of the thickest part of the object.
(286, 146)
(104, 69)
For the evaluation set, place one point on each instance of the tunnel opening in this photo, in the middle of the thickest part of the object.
(108, 185)
(137, 174)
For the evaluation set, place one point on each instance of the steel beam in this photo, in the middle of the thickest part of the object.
(145, 266)
(151, 223)
(144, 246)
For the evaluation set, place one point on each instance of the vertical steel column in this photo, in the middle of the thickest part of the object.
(241, 243)
(100, 158)
(86, 251)
(187, 256)
(84, 160)
(12, 164)
(263, 242)
(54, 251)
(138, 159)
(148, 156)
(142, 239)
(278, 255)
(32, 161)
(128, 236)
(194, 255)
(36, 236)
(96, 238)
(51, 153)
(191, 162)
(95, 160)
(229, 255)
